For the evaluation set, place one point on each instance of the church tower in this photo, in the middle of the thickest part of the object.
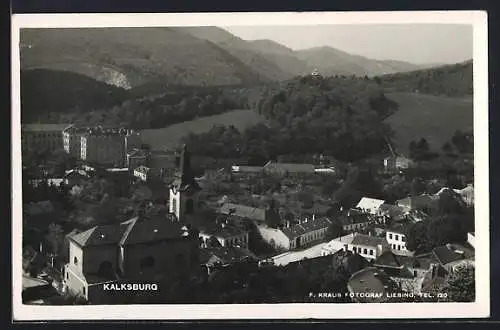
(184, 191)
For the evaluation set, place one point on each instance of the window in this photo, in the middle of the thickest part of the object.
(371, 252)
(394, 246)
(174, 204)
(365, 251)
(390, 236)
(83, 290)
(403, 239)
(399, 247)
(67, 275)
(396, 237)
(75, 260)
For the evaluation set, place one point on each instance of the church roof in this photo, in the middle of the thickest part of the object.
(133, 231)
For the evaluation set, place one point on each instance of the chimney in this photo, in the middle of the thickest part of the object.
(314, 217)
(346, 247)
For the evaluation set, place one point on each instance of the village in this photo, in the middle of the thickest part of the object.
(100, 208)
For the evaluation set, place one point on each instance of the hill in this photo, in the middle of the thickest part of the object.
(447, 80)
(434, 118)
(129, 57)
(162, 138)
(44, 91)
(260, 63)
(331, 61)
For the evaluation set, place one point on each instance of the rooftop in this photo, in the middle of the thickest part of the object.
(452, 252)
(367, 240)
(133, 231)
(370, 280)
(44, 127)
(369, 204)
(291, 167)
(226, 254)
(243, 211)
(32, 282)
(306, 227)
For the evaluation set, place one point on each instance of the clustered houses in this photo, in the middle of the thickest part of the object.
(42, 137)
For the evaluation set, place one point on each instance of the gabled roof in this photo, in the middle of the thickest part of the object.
(388, 259)
(446, 255)
(150, 230)
(225, 255)
(133, 231)
(353, 218)
(367, 240)
(395, 212)
(421, 200)
(243, 211)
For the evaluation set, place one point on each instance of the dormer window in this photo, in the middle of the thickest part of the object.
(75, 260)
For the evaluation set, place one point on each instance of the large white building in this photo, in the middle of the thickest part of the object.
(41, 137)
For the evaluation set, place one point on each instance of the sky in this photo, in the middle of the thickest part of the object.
(415, 43)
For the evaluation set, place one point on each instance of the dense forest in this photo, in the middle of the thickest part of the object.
(335, 116)
(449, 80)
(47, 91)
(75, 98)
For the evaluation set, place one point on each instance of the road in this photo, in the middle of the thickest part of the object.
(292, 256)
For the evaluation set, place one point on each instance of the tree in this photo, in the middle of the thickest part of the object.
(55, 237)
(416, 237)
(447, 148)
(445, 229)
(334, 230)
(423, 145)
(461, 285)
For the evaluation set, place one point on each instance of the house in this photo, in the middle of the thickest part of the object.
(452, 256)
(370, 285)
(354, 220)
(396, 237)
(306, 232)
(369, 247)
(410, 273)
(143, 173)
(226, 235)
(75, 177)
(424, 201)
(471, 239)
(393, 212)
(370, 205)
(55, 182)
(244, 212)
(136, 158)
(135, 250)
(396, 163)
(283, 169)
(214, 258)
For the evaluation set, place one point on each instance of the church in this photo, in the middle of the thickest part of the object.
(144, 248)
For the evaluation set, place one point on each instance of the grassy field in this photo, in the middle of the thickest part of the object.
(434, 118)
(170, 136)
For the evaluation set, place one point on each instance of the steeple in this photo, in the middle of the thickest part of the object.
(186, 173)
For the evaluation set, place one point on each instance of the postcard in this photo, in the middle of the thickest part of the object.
(250, 166)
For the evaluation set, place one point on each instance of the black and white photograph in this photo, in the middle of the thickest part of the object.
(250, 165)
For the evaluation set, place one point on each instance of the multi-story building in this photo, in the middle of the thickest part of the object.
(42, 137)
(72, 137)
(106, 146)
(368, 246)
(129, 252)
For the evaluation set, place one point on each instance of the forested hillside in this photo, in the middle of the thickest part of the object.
(334, 116)
(448, 80)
